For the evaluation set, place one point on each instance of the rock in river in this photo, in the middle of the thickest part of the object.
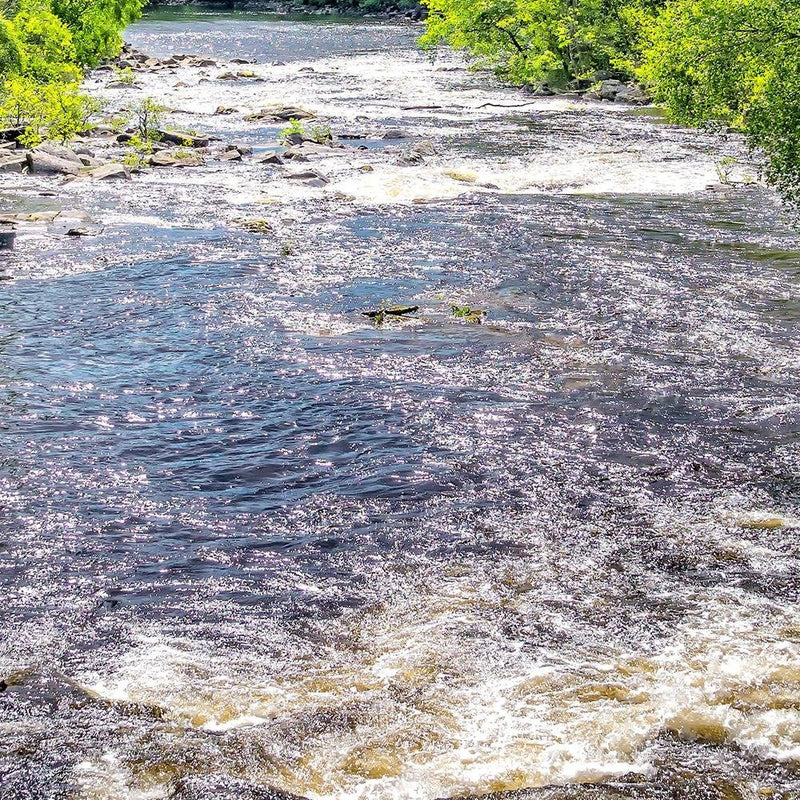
(173, 158)
(311, 175)
(44, 163)
(14, 162)
(183, 138)
(110, 171)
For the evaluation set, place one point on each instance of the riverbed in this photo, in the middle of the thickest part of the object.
(251, 540)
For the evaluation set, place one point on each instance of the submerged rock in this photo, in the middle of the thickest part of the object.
(220, 787)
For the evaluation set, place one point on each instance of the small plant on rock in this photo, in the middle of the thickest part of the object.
(294, 128)
(126, 76)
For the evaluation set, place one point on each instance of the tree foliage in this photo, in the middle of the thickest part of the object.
(733, 62)
(720, 62)
(44, 47)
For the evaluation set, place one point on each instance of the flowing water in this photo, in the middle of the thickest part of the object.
(251, 539)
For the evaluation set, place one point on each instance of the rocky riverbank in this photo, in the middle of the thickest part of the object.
(119, 147)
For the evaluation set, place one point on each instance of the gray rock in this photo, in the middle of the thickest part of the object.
(230, 155)
(270, 158)
(307, 175)
(424, 147)
(182, 138)
(632, 93)
(111, 171)
(243, 149)
(58, 151)
(13, 162)
(410, 158)
(88, 161)
(43, 163)
(279, 114)
(168, 158)
(394, 133)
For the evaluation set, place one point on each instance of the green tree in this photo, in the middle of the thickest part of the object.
(96, 25)
(735, 63)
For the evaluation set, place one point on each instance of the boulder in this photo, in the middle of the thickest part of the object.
(40, 162)
(410, 158)
(11, 134)
(270, 158)
(242, 149)
(317, 178)
(230, 155)
(225, 110)
(170, 158)
(424, 147)
(13, 162)
(182, 138)
(227, 76)
(394, 133)
(111, 171)
(89, 161)
(632, 93)
(59, 151)
(540, 90)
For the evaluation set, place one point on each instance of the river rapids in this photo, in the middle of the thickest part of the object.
(254, 543)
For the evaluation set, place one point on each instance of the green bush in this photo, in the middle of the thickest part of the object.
(46, 110)
(44, 47)
(48, 52)
(734, 63)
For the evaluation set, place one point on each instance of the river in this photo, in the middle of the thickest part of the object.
(251, 540)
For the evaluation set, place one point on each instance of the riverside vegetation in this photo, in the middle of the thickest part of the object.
(721, 63)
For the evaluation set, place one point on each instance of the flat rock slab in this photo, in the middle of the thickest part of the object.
(15, 162)
(58, 151)
(168, 159)
(107, 172)
(279, 114)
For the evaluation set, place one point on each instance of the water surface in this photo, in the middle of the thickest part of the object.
(248, 535)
